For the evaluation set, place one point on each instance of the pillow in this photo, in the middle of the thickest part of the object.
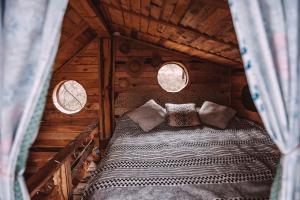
(182, 114)
(216, 115)
(148, 116)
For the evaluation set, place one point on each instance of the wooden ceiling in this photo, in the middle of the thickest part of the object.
(200, 28)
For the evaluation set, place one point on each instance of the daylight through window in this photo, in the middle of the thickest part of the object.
(172, 77)
(69, 97)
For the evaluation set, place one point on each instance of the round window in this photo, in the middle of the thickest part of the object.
(172, 77)
(69, 97)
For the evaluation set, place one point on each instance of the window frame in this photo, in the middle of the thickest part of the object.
(58, 105)
(184, 69)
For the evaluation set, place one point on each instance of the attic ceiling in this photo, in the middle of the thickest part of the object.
(199, 28)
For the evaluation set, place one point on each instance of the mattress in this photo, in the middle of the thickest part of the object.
(186, 163)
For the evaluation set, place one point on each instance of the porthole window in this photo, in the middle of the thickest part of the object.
(69, 97)
(172, 77)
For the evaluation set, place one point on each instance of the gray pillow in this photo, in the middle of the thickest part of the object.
(182, 114)
(148, 116)
(216, 115)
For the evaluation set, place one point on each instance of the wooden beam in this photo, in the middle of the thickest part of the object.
(91, 15)
(172, 26)
(106, 85)
(108, 65)
(112, 81)
(100, 87)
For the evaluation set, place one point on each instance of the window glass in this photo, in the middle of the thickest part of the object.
(172, 77)
(69, 97)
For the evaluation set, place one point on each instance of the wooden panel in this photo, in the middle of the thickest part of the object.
(77, 59)
(57, 128)
(75, 35)
(208, 81)
(238, 81)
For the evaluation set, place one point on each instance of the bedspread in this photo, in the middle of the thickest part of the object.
(186, 163)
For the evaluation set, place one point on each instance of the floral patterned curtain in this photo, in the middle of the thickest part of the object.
(30, 32)
(268, 34)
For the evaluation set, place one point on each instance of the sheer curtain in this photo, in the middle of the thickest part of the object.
(268, 34)
(30, 32)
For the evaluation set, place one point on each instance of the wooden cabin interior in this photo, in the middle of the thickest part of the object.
(114, 49)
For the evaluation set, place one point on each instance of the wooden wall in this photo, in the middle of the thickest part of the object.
(75, 35)
(208, 81)
(238, 81)
(58, 129)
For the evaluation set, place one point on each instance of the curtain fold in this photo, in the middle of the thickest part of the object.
(268, 34)
(30, 32)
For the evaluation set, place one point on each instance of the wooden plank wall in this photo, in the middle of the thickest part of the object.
(75, 35)
(208, 81)
(238, 81)
(58, 129)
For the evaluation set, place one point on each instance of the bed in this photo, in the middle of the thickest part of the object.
(186, 163)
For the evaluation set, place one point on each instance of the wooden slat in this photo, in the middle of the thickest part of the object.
(136, 5)
(180, 9)
(145, 5)
(116, 16)
(155, 11)
(168, 10)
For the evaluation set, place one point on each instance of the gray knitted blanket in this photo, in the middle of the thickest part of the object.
(186, 163)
